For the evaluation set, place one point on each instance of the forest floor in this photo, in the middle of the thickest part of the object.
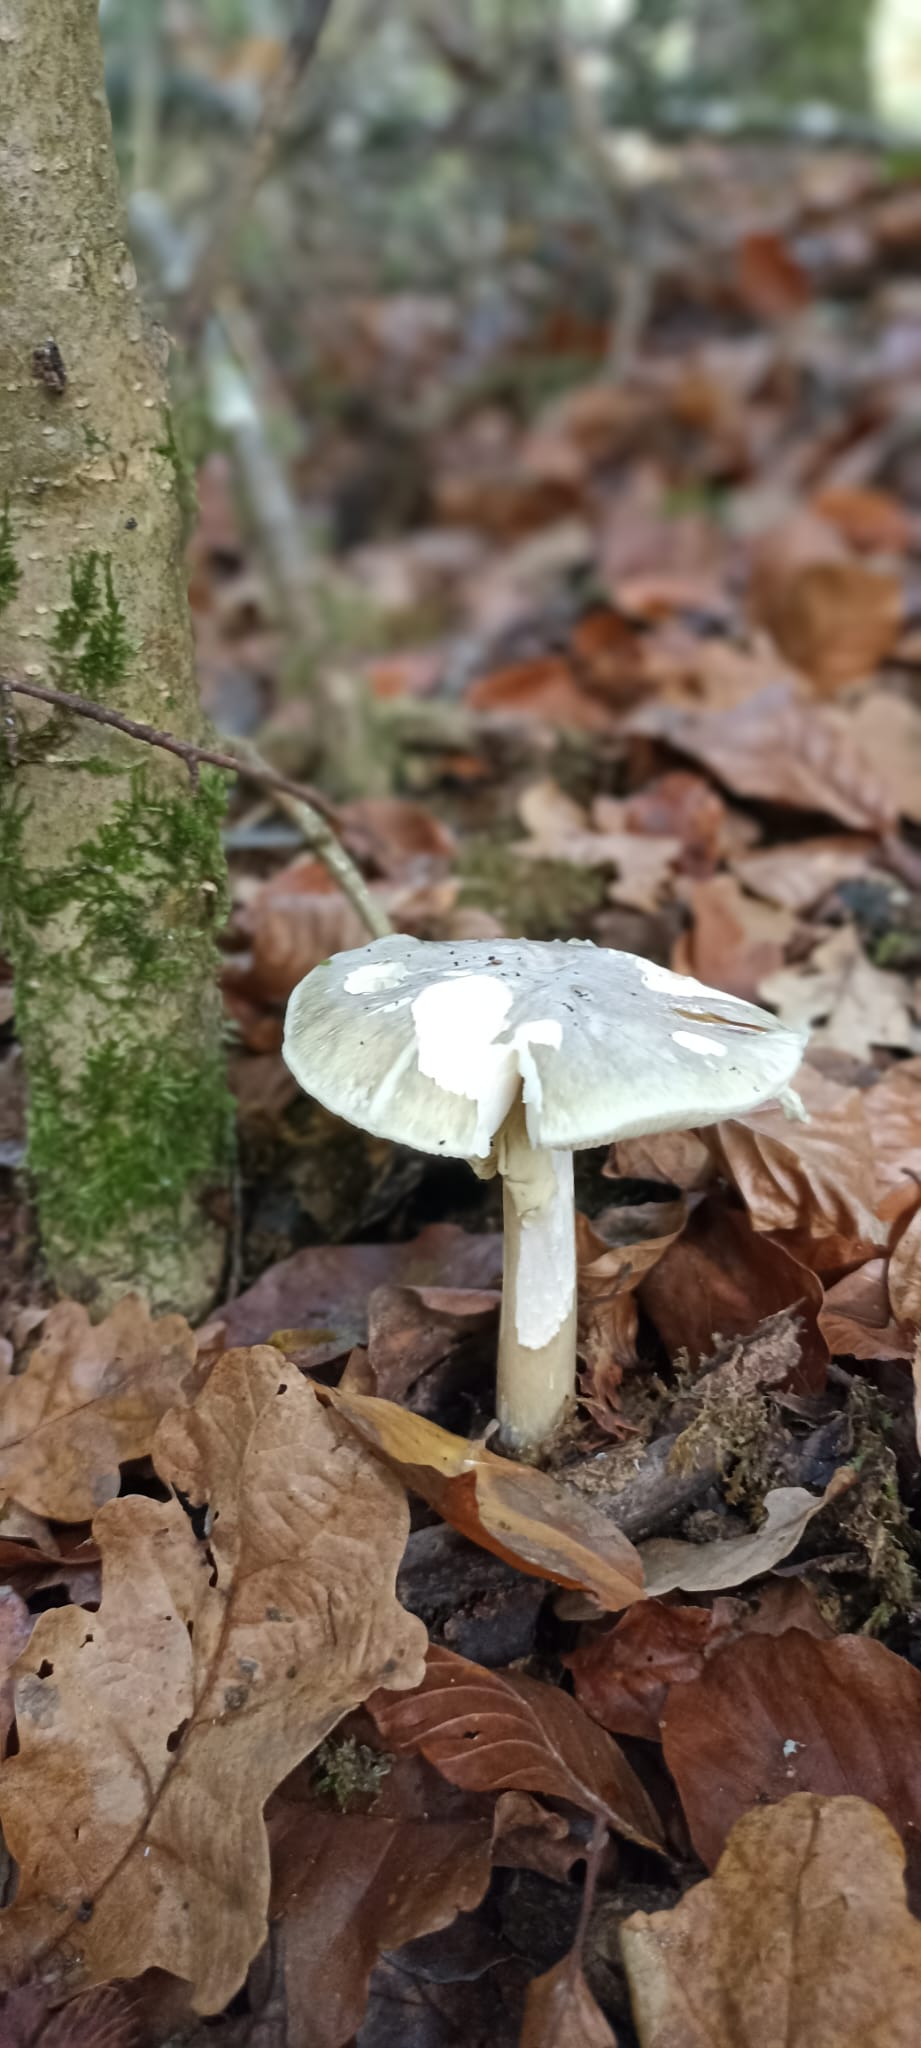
(642, 658)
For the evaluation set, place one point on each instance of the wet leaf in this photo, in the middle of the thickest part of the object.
(519, 1513)
(160, 1725)
(802, 1939)
(771, 1715)
(91, 1398)
(412, 1329)
(492, 1730)
(669, 1563)
(560, 2011)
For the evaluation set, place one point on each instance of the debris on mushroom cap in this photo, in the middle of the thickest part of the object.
(430, 1044)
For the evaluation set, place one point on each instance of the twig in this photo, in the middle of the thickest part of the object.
(310, 811)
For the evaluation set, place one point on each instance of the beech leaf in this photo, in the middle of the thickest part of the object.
(90, 1398)
(152, 1732)
(771, 1715)
(520, 1514)
(801, 1939)
(492, 1730)
(713, 1567)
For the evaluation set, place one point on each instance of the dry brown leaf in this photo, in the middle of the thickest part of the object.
(779, 746)
(16, 1625)
(815, 1179)
(669, 1563)
(801, 1939)
(326, 1288)
(894, 1117)
(545, 687)
(835, 618)
(865, 517)
(160, 1725)
(91, 1398)
(905, 1275)
(349, 1886)
(769, 277)
(798, 876)
(843, 999)
(493, 1730)
(734, 940)
(412, 1329)
(291, 922)
(622, 1678)
(855, 1318)
(678, 1158)
(612, 1254)
(720, 1277)
(560, 2011)
(677, 805)
(98, 2019)
(771, 1715)
(513, 1510)
(887, 730)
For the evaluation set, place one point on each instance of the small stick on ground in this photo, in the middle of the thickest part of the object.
(311, 812)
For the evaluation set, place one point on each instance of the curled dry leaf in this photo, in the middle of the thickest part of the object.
(856, 1318)
(160, 1725)
(519, 1513)
(813, 1180)
(779, 746)
(669, 1563)
(801, 1939)
(721, 1275)
(560, 2011)
(613, 1253)
(492, 1731)
(90, 1398)
(771, 1715)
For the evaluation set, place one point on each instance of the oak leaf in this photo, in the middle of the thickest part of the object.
(152, 1732)
(493, 1730)
(520, 1514)
(91, 1398)
(801, 1939)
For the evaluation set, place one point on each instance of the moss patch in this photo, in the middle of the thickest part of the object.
(535, 899)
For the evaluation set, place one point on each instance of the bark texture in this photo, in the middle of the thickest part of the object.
(111, 870)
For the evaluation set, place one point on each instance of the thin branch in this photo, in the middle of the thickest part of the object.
(311, 812)
(257, 161)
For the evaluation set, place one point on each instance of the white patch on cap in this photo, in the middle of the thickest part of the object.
(546, 1280)
(456, 1024)
(667, 983)
(547, 1031)
(378, 974)
(694, 1041)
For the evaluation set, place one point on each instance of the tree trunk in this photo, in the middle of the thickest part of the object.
(111, 869)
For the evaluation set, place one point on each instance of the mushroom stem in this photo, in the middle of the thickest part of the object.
(536, 1380)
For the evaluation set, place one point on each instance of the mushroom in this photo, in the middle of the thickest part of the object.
(511, 1054)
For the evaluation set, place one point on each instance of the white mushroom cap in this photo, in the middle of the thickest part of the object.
(430, 1044)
